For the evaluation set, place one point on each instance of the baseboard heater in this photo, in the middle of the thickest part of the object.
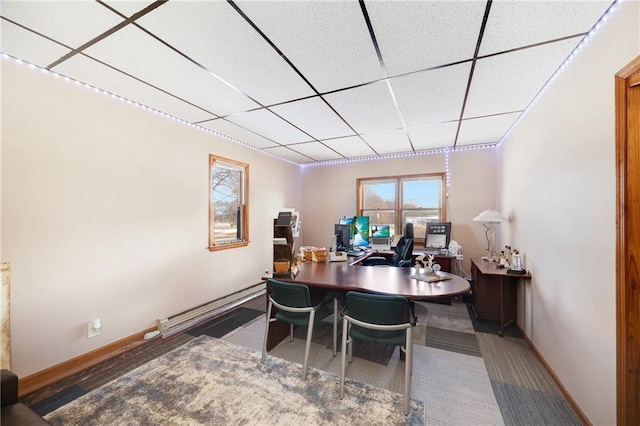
(191, 317)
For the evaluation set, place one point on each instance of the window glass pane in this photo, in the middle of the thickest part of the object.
(379, 195)
(419, 218)
(420, 193)
(227, 196)
(382, 217)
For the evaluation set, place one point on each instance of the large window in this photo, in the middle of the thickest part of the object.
(228, 203)
(395, 200)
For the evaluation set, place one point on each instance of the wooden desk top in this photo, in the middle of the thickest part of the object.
(491, 268)
(377, 279)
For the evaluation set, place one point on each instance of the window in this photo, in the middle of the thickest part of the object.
(228, 203)
(395, 200)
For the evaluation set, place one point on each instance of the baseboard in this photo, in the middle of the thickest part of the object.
(33, 383)
(556, 380)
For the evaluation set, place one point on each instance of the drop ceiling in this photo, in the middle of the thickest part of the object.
(313, 81)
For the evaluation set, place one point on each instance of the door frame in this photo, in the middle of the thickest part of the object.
(627, 252)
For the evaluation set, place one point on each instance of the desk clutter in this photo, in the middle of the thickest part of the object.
(430, 278)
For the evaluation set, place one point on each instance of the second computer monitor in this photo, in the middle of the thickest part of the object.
(343, 236)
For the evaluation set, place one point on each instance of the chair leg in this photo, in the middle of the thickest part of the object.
(349, 346)
(343, 357)
(408, 370)
(335, 326)
(291, 332)
(266, 331)
(312, 316)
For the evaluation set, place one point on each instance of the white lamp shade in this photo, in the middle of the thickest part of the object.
(490, 216)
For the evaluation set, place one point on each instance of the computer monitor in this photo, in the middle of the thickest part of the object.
(360, 227)
(380, 231)
(343, 236)
(438, 235)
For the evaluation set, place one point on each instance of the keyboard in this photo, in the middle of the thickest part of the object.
(355, 253)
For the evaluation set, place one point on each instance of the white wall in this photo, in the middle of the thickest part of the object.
(558, 169)
(330, 193)
(105, 214)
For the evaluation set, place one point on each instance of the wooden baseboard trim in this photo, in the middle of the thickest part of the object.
(554, 377)
(44, 378)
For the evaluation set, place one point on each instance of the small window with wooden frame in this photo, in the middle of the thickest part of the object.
(395, 200)
(228, 203)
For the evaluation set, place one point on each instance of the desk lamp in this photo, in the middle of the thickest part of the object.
(490, 218)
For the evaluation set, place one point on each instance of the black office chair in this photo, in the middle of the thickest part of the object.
(294, 307)
(381, 319)
(403, 251)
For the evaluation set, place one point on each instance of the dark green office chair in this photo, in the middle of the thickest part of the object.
(382, 319)
(293, 302)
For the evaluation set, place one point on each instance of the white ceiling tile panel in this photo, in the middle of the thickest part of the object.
(507, 83)
(485, 130)
(289, 154)
(229, 47)
(70, 22)
(28, 46)
(414, 35)
(237, 132)
(351, 146)
(328, 41)
(514, 24)
(270, 126)
(433, 96)
(138, 54)
(389, 142)
(88, 71)
(368, 109)
(314, 117)
(433, 136)
(316, 150)
(128, 7)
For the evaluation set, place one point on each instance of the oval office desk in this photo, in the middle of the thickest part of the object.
(324, 277)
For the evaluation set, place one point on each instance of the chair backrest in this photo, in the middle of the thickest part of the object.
(404, 248)
(290, 294)
(377, 309)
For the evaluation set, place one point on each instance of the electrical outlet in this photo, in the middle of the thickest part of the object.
(94, 328)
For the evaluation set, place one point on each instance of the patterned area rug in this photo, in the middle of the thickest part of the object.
(211, 381)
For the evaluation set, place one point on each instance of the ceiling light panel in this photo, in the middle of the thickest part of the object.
(270, 126)
(314, 117)
(229, 47)
(415, 35)
(328, 41)
(368, 108)
(433, 136)
(128, 7)
(289, 154)
(88, 71)
(350, 147)
(485, 130)
(432, 96)
(72, 23)
(509, 82)
(233, 130)
(138, 54)
(390, 142)
(28, 46)
(316, 150)
(517, 24)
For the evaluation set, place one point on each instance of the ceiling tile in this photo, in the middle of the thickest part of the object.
(70, 22)
(519, 23)
(433, 136)
(316, 150)
(28, 46)
(237, 132)
(128, 7)
(88, 71)
(288, 154)
(485, 130)
(367, 109)
(389, 142)
(433, 96)
(267, 124)
(508, 82)
(229, 47)
(351, 146)
(414, 35)
(314, 117)
(332, 46)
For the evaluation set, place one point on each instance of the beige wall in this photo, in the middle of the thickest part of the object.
(330, 193)
(558, 169)
(105, 214)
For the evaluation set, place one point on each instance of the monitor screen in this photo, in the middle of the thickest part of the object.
(380, 231)
(343, 235)
(360, 228)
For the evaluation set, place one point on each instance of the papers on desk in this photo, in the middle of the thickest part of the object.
(430, 278)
